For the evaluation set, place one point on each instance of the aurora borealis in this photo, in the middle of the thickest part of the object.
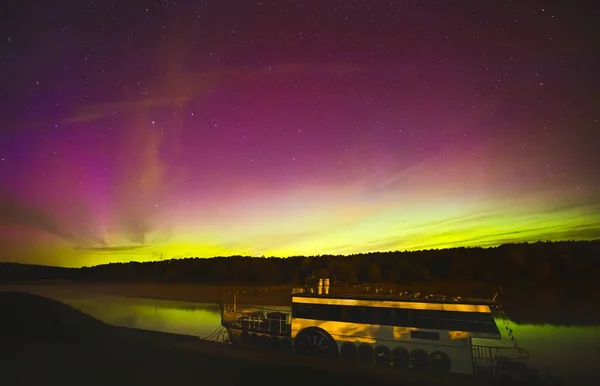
(135, 130)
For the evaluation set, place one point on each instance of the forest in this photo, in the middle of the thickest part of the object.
(541, 262)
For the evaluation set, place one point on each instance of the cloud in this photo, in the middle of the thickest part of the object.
(494, 227)
(541, 233)
(119, 248)
(439, 240)
(14, 212)
(141, 182)
(144, 176)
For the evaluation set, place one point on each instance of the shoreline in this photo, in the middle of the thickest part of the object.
(273, 295)
(192, 293)
(524, 303)
(46, 341)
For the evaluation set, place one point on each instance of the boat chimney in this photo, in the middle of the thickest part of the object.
(320, 288)
(326, 286)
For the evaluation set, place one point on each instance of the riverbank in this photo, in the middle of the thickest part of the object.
(524, 303)
(246, 294)
(193, 293)
(46, 342)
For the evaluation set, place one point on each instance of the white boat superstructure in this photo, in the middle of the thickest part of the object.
(433, 332)
(401, 333)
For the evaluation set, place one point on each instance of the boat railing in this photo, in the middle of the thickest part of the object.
(491, 354)
(269, 322)
(490, 361)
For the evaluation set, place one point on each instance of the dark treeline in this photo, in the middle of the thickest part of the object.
(544, 282)
(17, 272)
(568, 261)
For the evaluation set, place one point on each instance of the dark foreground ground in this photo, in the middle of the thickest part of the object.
(44, 342)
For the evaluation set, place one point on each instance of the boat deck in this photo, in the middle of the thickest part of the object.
(404, 297)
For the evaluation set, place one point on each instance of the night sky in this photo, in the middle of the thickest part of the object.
(135, 129)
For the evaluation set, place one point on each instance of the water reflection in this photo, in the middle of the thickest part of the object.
(568, 352)
(175, 317)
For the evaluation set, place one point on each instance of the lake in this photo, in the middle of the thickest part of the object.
(568, 352)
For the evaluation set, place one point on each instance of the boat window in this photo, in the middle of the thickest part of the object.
(353, 314)
(373, 315)
(333, 313)
(486, 327)
(436, 320)
(396, 317)
(308, 311)
(317, 311)
(425, 335)
(430, 319)
(431, 323)
(454, 321)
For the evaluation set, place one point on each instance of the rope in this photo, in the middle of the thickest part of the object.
(213, 334)
(507, 326)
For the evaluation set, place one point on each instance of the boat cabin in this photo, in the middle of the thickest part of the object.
(402, 330)
(474, 319)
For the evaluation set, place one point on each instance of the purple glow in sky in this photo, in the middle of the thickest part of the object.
(133, 130)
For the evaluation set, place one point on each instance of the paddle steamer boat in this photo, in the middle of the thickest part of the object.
(432, 332)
